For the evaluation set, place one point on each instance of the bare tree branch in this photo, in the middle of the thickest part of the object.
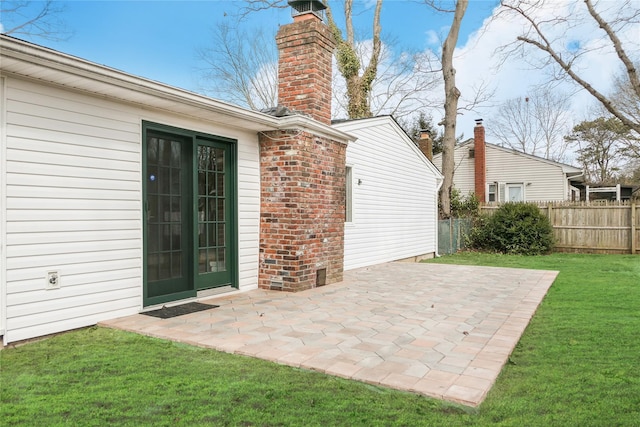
(534, 124)
(536, 35)
(36, 19)
(252, 6)
(617, 44)
(241, 66)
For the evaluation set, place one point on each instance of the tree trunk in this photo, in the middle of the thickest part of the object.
(358, 86)
(452, 94)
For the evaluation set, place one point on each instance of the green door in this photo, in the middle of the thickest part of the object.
(190, 228)
(214, 260)
(167, 218)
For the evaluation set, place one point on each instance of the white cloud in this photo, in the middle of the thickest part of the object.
(432, 38)
(514, 74)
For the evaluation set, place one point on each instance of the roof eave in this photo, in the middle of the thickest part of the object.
(53, 67)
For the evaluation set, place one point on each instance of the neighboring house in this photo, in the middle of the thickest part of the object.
(498, 174)
(392, 195)
(119, 194)
(609, 192)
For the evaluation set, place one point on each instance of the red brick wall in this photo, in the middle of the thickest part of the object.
(304, 68)
(480, 163)
(302, 212)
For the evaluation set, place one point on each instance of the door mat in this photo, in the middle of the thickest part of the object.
(179, 310)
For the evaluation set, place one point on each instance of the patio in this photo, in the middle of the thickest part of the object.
(439, 330)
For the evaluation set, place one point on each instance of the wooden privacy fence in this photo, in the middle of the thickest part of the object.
(597, 227)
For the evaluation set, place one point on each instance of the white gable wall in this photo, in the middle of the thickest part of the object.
(543, 181)
(546, 181)
(463, 175)
(74, 205)
(394, 206)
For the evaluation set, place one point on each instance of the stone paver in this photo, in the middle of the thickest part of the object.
(439, 330)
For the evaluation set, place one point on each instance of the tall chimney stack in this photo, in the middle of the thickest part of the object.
(302, 172)
(304, 65)
(479, 148)
(425, 143)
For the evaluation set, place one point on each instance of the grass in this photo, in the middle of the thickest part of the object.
(576, 365)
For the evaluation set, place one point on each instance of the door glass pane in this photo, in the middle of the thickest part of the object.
(202, 182)
(202, 261)
(219, 157)
(222, 265)
(165, 238)
(165, 265)
(176, 209)
(220, 184)
(165, 216)
(211, 236)
(211, 184)
(153, 231)
(221, 210)
(164, 152)
(176, 154)
(221, 237)
(211, 202)
(211, 209)
(163, 180)
(152, 267)
(152, 151)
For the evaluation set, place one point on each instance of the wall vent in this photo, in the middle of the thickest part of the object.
(321, 277)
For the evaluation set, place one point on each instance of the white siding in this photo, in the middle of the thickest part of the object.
(3, 201)
(544, 180)
(463, 172)
(74, 204)
(394, 206)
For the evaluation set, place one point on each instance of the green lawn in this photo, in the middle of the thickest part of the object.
(578, 364)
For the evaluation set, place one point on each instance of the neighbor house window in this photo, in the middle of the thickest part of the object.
(515, 192)
(348, 204)
(492, 192)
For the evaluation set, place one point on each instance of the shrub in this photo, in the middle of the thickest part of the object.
(462, 206)
(514, 228)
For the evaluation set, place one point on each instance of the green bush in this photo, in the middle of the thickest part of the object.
(463, 207)
(514, 228)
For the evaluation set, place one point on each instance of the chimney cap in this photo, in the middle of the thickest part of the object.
(424, 133)
(303, 7)
(478, 122)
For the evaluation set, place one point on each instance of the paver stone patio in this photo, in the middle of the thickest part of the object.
(439, 330)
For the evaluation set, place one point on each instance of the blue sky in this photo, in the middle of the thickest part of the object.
(159, 39)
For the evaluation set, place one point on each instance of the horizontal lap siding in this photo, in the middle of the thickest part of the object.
(394, 207)
(464, 178)
(248, 210)
(546, 181)
(74, 204)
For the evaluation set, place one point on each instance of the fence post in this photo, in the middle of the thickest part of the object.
(633, 228)
(450, 237)
(549, 212)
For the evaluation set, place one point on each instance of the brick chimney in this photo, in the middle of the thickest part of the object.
(479, 149)
(304, 64)
(425, 144)
(302, 174)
